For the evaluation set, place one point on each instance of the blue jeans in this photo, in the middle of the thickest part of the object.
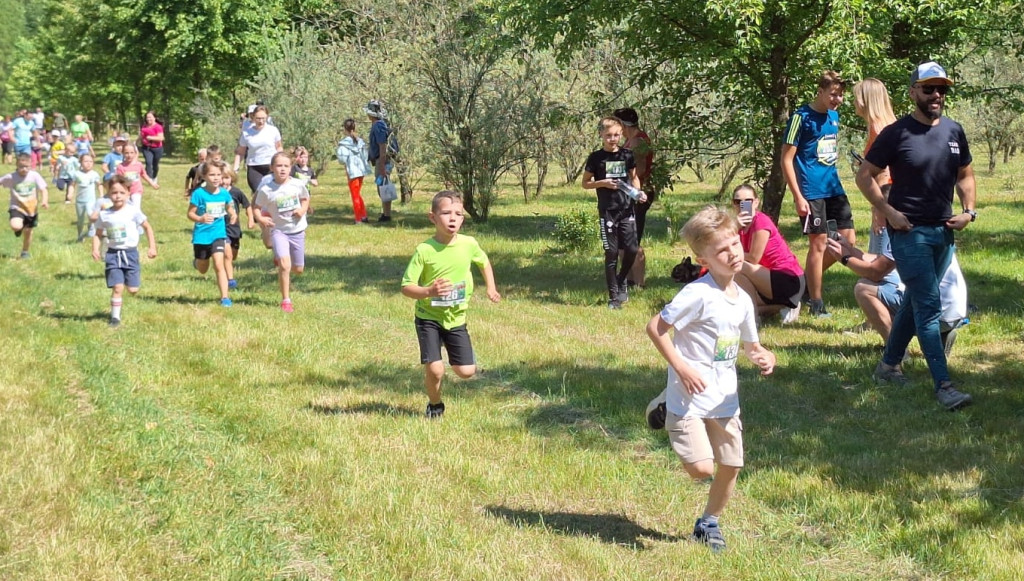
(922, 256)
(153, 156)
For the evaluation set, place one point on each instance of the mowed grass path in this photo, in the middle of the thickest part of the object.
(198, 442)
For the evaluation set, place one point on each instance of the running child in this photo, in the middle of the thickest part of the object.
(82, 188)
(133, 170)
(304, 172)
(28, 190)
(440, 279)
(280, 206)
(119, 225)
(711, 318)
(67, 163)
(192, 179)
(211, 208)
(241, 202)
(56, 146)
(114, 157)
(611, 171)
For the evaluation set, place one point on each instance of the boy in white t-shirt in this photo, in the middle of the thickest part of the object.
(712, 318)
(28, 192)
(120, 224)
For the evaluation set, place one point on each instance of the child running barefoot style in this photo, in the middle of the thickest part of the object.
(211, 208)
(82, 189)
(132, 169)
(120, 225)
(28, 191)
(240, 202)
(711, 318)
(280, 205)
(439, 278)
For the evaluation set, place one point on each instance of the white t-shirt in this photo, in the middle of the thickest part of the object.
(281, 201)
(710, 329)
(260, 145)
(121, 227)
(85, 185)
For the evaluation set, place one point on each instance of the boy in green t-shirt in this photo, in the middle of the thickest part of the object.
(439, 278)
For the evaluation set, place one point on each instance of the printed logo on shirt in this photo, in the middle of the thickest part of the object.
(727, 348)
(216, 209)
(132, 176)
(287, 203)
(954, 147)
(615, 168)
(457, 296)
(828, 150)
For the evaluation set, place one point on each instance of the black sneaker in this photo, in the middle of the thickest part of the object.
(623, 295)
(614, 304)
(818, 309)
(114, 323)
(710, 535)
(656, 412)
(384, 218)
(435, 410)
(951, 398)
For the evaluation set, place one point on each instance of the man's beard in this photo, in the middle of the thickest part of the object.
(925, 107)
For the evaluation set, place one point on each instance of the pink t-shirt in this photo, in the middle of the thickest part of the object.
(150, 131)
(777, 255)
(132, 171)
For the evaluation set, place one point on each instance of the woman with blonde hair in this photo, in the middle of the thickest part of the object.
(871, 103)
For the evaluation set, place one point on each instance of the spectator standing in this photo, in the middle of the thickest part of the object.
(152, 137)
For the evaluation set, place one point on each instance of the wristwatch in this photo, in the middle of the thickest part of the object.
(972, 214)
(844, 260)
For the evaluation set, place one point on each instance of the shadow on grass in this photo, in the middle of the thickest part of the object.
(362, 408)
(608, 528)
(78, 276)
(64, 316)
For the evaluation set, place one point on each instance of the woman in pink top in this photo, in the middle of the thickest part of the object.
(771, 275)
(152, 138)
(131, 168)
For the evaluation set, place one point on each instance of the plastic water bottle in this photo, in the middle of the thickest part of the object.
(628, 189)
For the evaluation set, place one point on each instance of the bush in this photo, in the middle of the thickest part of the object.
(576, 229)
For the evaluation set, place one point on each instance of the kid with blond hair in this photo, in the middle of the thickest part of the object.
(280, 206)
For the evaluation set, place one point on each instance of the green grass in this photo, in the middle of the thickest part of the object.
(205, 443)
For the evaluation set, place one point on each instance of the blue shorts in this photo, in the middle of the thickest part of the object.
(22, 148)
(122, 267)
(890, 295)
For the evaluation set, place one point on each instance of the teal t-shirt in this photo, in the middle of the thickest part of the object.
(433, 260)
(216, 204)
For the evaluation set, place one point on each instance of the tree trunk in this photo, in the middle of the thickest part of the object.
(775, 184)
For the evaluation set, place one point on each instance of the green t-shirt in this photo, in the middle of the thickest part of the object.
(433, 260)
(79, 128)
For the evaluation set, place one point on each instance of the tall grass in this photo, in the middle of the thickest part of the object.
(198, 442)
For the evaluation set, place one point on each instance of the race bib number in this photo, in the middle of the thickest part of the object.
(117, 234)
(727, 348)
(132, 176)
(457, 296)
(216, 209)
(287, 203)
(828, 150)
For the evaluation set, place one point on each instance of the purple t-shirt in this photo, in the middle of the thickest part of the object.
(777, 255)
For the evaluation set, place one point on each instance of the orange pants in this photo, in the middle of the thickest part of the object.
(354, 187)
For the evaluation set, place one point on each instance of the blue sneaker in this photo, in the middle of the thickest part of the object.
(232, 283)
(710, 535)
(225, 302)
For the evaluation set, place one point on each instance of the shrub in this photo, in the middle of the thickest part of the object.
(576, 229)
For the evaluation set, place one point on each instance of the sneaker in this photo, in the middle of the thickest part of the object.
(384, 218)
(623, 294)
(656, 412)
(435, 410)
(24, 255)
(951, 398)
(888, 374)
(614, 304)
(114, 323)
(710, 535)
(365, 220)
(225, 302)
(17, 233)
(948, 339)
(818, 309)
(232, 283)
(788, 315)
(67, 201)
(286, 306)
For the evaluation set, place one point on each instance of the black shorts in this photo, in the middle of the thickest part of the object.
(235, 243)
(618, 232)
(206, 251)
(8, 147)
(835, 208)
(456, 342)
(786, 289)
(61, 183)
(27, 221)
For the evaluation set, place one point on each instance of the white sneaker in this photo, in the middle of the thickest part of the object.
(790, 315)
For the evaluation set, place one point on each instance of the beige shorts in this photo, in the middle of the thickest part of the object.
(697, 439)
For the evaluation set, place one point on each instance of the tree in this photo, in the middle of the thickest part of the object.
(759, 59)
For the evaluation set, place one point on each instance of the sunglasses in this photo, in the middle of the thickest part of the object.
(929, 89)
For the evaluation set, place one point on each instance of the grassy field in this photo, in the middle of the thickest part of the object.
(197, 442)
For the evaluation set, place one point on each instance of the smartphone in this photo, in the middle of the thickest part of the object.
(832, 229)
(747, 206)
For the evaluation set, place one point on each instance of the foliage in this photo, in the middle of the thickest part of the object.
(576, 229)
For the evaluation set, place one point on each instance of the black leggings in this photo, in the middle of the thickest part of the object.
(254, 175)
(153, 156)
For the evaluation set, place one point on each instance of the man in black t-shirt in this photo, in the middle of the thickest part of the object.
(928, 157)
(605, 171)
